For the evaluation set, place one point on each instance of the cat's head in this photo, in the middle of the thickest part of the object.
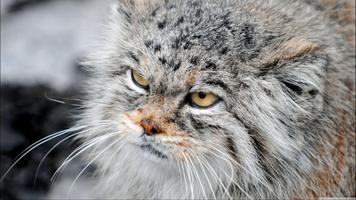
(228, 85)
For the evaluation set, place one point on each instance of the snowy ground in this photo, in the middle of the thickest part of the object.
(42, 42)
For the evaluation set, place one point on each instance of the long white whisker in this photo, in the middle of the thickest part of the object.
(207, 177)
(197, 175)
(206, 164)
(78, 151)
(180, 163)
(35, 145)
(57, 134)
(229, 160)
(45, 156)
(114, 153)
(81, 172)
(189, 177)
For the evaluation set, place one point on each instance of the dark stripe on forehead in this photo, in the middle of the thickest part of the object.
(188, 45)
(174, 64)
(177, 65)
(223, 51)
(157, 48)
(148, 43)
(162, 60)
(181, 38)
(179, 21)
(162, 24)
(194, 60)
(248, 35)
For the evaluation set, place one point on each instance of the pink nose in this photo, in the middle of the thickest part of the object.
(149, 127)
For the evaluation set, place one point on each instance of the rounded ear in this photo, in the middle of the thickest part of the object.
(301, 73)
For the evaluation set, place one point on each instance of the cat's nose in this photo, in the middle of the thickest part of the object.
(149, 127)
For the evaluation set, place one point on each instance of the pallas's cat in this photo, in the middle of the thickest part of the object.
(223, 99)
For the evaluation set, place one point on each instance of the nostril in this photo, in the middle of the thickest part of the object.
(149, 127)
(154, 130)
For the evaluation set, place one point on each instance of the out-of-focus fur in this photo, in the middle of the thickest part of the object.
(284, 128)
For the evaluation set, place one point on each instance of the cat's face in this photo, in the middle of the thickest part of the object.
(204, 84)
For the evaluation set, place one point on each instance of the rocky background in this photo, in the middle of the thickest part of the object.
(42, 43)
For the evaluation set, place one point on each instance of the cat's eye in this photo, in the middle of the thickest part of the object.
(203, 99)
(139, 80)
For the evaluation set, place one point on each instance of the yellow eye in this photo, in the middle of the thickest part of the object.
(139, 80)
(203, 99)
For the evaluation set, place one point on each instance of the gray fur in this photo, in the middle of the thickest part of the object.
(285, 76)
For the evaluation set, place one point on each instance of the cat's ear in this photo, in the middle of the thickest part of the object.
(292, 48)
(295, 64)
(138, 7)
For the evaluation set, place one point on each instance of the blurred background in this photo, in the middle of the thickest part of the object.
(42, 44)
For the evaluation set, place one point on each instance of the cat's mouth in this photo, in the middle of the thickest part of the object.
(149, 148)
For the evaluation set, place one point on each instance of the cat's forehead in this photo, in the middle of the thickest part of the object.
(220, 36)
(196, 34)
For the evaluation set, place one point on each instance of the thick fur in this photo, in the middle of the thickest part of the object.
(284, 128)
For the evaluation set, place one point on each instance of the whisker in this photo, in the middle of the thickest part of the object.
(113, 154)
(180, 164)
(82, 171)
(35, 145)
(197, 175)
(54, 100)
(45, 156)
(56, 134)
(229, 161)
(207, 178)
(206, 164)
(235, 162)
(189, 177)
(78, 151)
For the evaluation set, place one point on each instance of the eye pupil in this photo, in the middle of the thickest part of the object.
(203, 99)
(202, 95)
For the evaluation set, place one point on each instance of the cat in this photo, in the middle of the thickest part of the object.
(207, 99)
